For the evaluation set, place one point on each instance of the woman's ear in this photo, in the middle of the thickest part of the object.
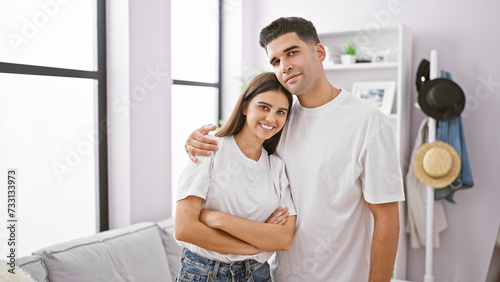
(245, 106)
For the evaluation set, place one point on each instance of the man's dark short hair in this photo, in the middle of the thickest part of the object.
(304, 29)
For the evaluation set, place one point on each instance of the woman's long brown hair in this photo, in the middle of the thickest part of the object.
(261, 83)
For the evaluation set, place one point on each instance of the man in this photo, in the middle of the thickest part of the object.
(342, 164)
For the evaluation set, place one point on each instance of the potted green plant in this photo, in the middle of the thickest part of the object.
(349, 54)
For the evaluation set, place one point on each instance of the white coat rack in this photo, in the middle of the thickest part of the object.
(431, 137)
(429, 224)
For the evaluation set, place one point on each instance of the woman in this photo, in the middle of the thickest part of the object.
(224, 199)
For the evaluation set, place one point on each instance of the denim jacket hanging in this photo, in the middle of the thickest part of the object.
(452, 133)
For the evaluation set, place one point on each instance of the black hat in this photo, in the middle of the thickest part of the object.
(442, 99)
(422, 73)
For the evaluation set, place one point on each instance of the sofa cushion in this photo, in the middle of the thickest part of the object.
(173, 250)
(34, 266)
(27, 269)
(132, 253)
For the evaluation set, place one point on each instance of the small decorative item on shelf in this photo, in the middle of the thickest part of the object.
(371, 52)
(349, 55)
(378, 54)
(384, 54)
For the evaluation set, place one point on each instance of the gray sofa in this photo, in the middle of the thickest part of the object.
(144, 251)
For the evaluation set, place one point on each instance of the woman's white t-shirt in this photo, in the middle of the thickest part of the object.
(230, 182)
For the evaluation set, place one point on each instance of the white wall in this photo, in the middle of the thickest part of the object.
(467, 39)
(232, 41)
(139, 111)
(118, 115)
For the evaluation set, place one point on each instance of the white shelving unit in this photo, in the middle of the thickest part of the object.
(396, 68)
(363, 66)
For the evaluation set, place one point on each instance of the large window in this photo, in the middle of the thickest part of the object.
(196, 71)
(52, 121)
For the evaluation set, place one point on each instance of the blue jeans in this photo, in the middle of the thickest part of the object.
(200, 269)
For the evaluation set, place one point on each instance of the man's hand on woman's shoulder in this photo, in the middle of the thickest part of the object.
(198, 144)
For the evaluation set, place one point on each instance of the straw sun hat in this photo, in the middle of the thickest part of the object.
(436, 164)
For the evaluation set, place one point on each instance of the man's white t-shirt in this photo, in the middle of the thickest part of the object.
(338, 157)
(230, 182)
